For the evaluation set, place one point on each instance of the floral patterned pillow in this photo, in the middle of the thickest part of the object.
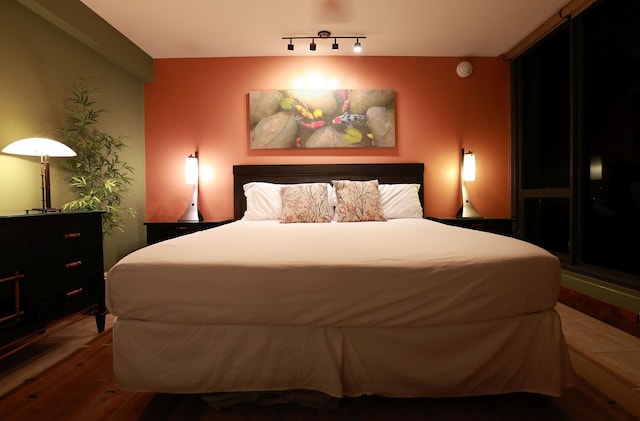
(358, 201)
(305, 203)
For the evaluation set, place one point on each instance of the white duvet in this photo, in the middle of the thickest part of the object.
(398, 273)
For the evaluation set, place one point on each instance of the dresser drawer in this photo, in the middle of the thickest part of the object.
(67, 234)
(71, 265)
(71, 282)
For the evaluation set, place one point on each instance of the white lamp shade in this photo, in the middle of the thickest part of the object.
(38, 146)
(191, 170)
(469, 167)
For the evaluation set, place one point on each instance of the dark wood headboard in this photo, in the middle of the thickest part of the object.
(390, 173)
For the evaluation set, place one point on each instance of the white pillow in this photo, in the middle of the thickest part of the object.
(400, 201)
(264, 200)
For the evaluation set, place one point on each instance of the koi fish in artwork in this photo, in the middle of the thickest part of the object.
(313, 125)
(349, 119)
(345, 99)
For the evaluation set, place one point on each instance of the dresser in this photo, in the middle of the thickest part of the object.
(51, 266)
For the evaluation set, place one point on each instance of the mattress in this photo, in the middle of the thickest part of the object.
(397, 273)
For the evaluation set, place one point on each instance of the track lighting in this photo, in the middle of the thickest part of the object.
(357, 47)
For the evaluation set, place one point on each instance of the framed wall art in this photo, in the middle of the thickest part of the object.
(322, 118)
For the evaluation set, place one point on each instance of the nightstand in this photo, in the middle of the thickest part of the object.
(159, 231)
(504, 226)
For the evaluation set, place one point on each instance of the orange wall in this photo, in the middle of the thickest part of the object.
(203, 104)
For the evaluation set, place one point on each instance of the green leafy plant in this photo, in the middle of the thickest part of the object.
(97, 173)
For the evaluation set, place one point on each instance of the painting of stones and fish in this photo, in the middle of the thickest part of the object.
(322, 118)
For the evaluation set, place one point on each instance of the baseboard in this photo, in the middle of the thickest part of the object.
(620, 318)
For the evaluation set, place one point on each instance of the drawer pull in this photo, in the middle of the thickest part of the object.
(71, 235)
(73, 264)
(73, 293)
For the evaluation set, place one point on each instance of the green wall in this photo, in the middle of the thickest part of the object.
(42, 51)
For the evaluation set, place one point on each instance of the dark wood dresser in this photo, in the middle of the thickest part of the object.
(51, 266)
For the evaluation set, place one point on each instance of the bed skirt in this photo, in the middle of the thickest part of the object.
(526, 353)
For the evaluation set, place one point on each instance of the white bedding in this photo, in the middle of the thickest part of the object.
(402, 308)
(404, 272)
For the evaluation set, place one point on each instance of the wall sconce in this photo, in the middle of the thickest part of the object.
(191, 174)
(357, 46)
(468, 173)
(44, 148)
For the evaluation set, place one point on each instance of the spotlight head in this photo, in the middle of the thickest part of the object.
(357, 47)
(290, 47)
(312, 46)
(335, 45)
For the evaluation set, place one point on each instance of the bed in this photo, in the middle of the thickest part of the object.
(400, 306)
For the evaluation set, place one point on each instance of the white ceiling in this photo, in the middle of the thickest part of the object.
(250, 28)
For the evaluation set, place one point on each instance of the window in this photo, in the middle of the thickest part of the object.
(577, 142)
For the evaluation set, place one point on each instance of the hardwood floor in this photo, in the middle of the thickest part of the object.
(606, 360)
(60, 341)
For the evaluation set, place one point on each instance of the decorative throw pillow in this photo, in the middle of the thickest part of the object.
(358, 201)
(305, 203)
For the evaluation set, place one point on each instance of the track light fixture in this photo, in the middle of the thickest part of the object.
(357, 47)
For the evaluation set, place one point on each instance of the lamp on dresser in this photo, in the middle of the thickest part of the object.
(44, 148)
(467, 173)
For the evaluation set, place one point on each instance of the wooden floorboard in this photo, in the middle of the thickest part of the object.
(82, 387)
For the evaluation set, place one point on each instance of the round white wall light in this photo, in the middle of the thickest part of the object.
(464, 69)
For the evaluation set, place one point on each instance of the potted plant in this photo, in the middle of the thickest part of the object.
(100, 177)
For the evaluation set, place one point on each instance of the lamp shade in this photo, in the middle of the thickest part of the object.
(38, 146)
(191, 170)
(469, 167)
